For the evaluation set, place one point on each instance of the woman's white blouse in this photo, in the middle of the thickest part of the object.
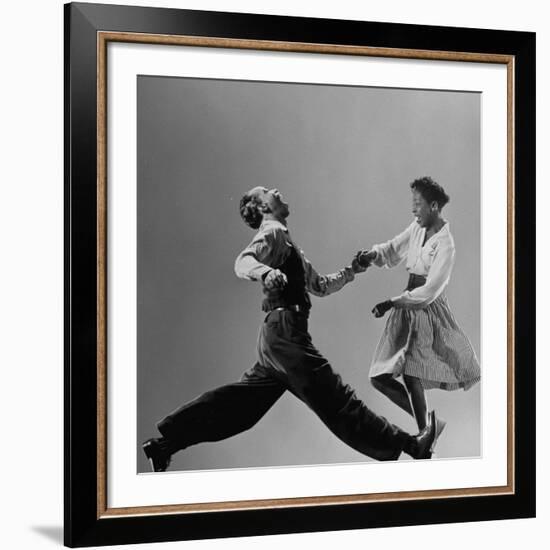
(434, 261)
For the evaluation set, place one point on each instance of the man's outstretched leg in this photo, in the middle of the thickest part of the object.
(286, 346)
(350, 419)
(215, 415)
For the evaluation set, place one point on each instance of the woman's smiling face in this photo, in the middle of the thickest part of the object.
(422, 210)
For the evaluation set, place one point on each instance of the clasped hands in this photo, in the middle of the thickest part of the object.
(362, 260)
(275, 278)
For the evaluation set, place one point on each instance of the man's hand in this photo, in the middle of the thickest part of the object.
(380, 309)
(365, 257)
(275, 279)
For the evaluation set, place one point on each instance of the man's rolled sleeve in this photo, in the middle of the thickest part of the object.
(265, 250)
(323, 285)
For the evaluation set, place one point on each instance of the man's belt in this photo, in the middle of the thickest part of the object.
(294, 307)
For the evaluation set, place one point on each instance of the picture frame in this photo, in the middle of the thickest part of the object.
(89, 30)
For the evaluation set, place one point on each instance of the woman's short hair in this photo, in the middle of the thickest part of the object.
(250, 208)
(431, 191)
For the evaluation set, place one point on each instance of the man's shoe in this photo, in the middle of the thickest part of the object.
(156, 450)
(424, 441)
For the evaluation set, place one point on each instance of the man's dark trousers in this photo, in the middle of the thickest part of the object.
(287, 360)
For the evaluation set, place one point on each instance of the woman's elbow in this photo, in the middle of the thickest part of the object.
(428, 298)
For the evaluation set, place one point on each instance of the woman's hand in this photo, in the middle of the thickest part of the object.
(380, 309)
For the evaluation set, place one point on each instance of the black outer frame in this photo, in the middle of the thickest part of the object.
(82, 527)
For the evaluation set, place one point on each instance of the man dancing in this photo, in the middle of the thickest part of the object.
(286, 356)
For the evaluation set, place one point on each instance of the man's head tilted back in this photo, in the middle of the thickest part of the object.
(261, 203)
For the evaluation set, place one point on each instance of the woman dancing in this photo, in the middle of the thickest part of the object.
(422, 346)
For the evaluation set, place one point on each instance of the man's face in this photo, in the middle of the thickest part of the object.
(421, 210)
(273, 199)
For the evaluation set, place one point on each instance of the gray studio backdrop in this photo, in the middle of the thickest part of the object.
(343, 157)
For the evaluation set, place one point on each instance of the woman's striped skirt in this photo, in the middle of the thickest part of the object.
(427, 344)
